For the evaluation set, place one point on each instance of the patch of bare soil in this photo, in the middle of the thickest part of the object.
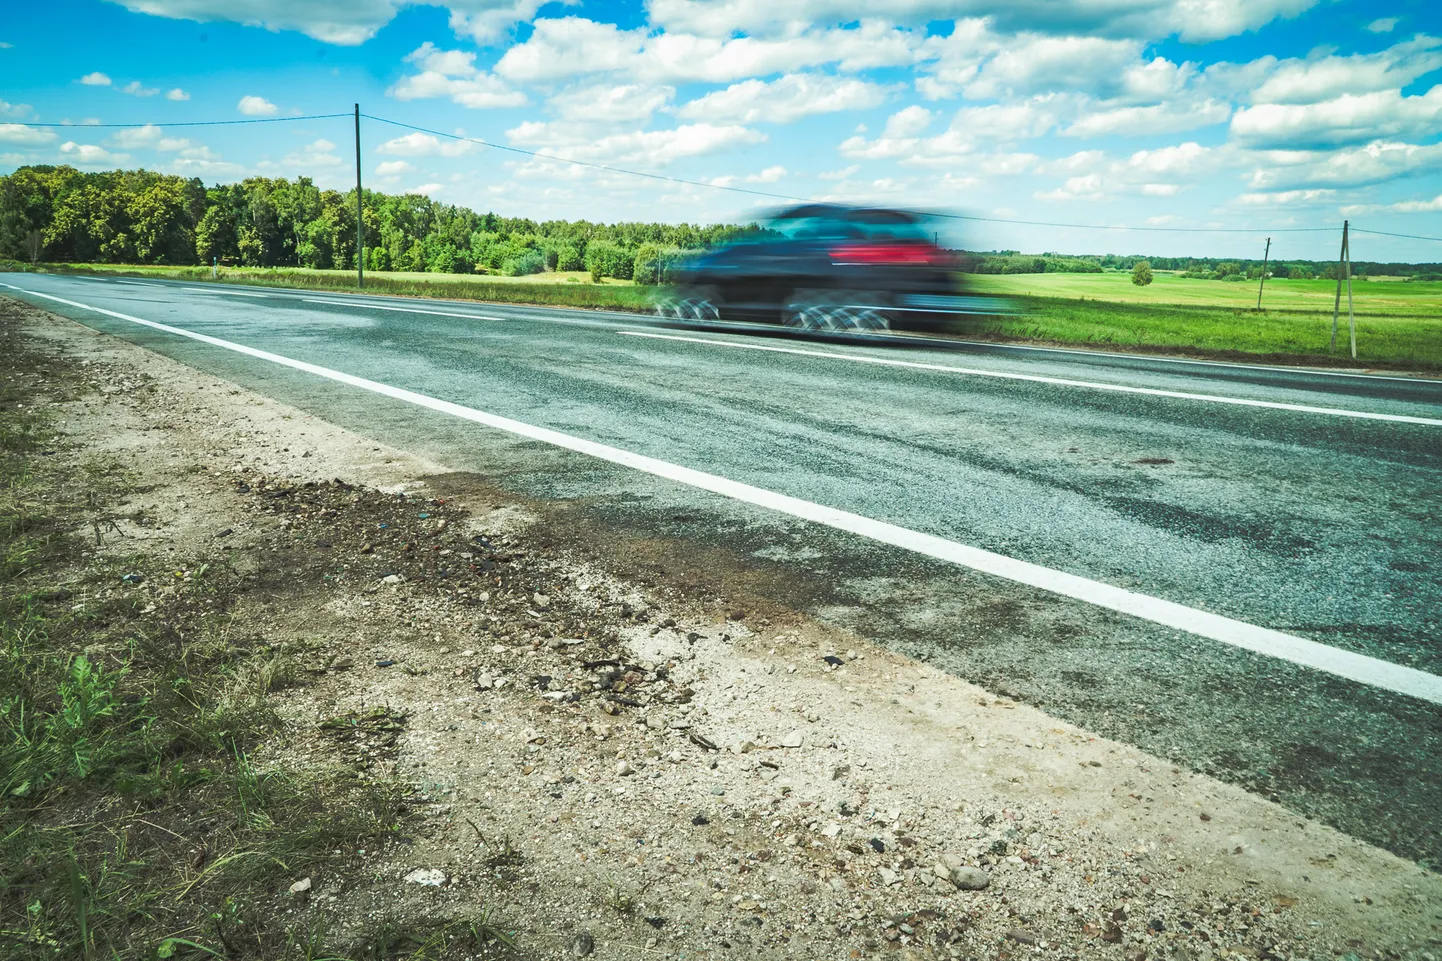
(622, 770)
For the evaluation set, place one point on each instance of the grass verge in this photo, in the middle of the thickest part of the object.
(135, 819)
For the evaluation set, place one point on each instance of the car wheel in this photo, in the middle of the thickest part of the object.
(689, 303)
(852, 311)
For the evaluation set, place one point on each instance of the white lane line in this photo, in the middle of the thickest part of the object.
(404, 310)
(219, 290)
(1298, 650)
(1150, 358)
(137, 283)
(1040, 379)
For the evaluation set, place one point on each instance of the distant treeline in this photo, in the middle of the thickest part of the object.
(1205, 268)
(59, 214)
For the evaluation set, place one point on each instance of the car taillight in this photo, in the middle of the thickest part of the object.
(889, 253)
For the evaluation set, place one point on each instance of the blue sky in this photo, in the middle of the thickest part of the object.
(1251, 114)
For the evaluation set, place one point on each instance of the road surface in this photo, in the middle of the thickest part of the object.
(1234, 567)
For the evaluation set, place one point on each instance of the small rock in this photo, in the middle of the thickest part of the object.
(970, 879)
(1136, 953)
(429, 877)
(385, 663)
(1021, 937)
(624, 769)
(888, 876)
(878, 845)
(1111, 932)
(541, 601)
(583, 944)
(794, 739)
(301, 886)
(132, 578)
(718, 791)
(393, 579)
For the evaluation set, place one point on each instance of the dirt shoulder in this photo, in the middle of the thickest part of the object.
(624, 769)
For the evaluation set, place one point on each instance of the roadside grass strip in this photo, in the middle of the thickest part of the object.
(1298, 650)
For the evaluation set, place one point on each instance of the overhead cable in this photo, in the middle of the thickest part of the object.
(193, 123)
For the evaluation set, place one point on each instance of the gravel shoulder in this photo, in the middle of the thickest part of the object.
(622, 768)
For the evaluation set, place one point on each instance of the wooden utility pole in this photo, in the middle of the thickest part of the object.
(1351, 318)
(361, 222)
(1337, 303)
(1263, 284)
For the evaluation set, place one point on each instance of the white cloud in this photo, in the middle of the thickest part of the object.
(1401, 207)
(453, 74)
(137, 137)
(1161, 190)
(427, 189)
(1088, 187)
(392, 168)
(841, 174)
(318, 154)
(768, 176)
(348, 23)
(91, 155)
(1374, 163)
(1383, 25)
(908, 122)
(136, 89)
(253, 106)
(486, 20)
(1193, 20)
(611, 103)
(1345, 120)
(1323, 77)
(1037, 64)
(423, 145)
(177, 94)
(1162, 118)
(8, 109)
(640, 148)
(21, 135)
(1287, 198)
(786, 99)
(96, 79)
(575, 46)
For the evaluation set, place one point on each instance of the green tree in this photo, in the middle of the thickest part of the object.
(1142, 273)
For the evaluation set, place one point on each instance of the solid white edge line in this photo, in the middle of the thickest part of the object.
(1042, 379)
(1355, 667)
(404, 310)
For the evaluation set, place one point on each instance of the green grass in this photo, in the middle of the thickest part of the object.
(135, 820)
(1399, 323)
(549, 290)
(1371, 297)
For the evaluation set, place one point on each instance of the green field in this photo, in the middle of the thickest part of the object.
(1390, 296)
(1399, 323)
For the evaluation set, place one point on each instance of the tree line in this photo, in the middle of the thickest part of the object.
(63, 215)
(58, 214)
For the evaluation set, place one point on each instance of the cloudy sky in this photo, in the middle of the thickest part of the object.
(1250, 114)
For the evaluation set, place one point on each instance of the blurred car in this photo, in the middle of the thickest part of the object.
(824, 267)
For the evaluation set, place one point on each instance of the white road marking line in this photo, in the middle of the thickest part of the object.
(1309, 371)
(137, 283)
(1040, 379)
(404, 310)
(219, 290)
(1356, 667)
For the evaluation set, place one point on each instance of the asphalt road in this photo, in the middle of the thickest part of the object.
(1281, 512)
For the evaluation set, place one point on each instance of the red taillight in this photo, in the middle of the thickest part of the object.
(888, 253)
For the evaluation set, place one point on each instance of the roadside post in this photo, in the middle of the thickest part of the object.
(1265, 253)
(1351, 318)
(1337, 303)
(360, 248)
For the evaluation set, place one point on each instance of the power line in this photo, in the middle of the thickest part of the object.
(1207, 230)
(1363, 230)
(193, 123)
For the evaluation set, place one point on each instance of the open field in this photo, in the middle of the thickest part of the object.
(1399, 323)
(1376, 296)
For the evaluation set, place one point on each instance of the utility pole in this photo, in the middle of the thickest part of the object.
(361, 222)
(1337, 303)
(1263, 284)
(1351, 318)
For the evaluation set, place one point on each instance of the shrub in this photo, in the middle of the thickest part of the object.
(606, 259)
(529, 262)
(569, 258)
(1142, 273)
